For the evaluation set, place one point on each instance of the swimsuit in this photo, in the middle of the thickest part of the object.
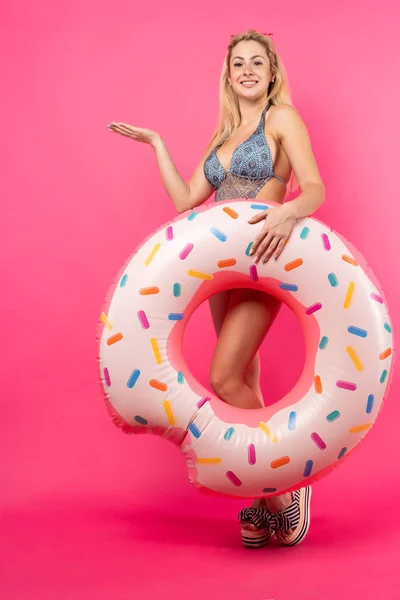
(249, 170)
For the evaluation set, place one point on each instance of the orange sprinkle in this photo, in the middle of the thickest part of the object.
(360, 428)
(114, 338)
(349, 295)
(105, 321)
(230, 212)
(209, 461)
(294, 264)
(148, 291)
(385, 354)
(279, 462)
(229, 262)
(349, 260)
(158, 385)
(318, 384)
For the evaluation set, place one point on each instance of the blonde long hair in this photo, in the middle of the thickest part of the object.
(278, 92)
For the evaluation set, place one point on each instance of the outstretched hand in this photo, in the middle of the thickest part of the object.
(147, 136)
(275, 233)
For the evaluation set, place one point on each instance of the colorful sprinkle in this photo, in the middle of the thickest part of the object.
(233, 478)
(268, 432)
(105, 321)
(357, 331)
(107, 376)
(253, 272)
(354, 357)
(317, 384)
(208, 461)
(200, 275)
(143, 319)
(293, 264)
(203, 401)
(148, 291)
(169, 233)
(269, 490)
(377, 298)
(349, 260)
(291, 287)
(180, 378)
(387, 327)
(140, 420)
(124, 280)
(304, 233)
(308, 468)
(195, 431)
(177, 290)
(186, 251)
(175, 316)
(133, 378)
(323, 343)
(156, 350)
(333, 280)
(318, 441)
(259, 206)
(382, 378)
(333, 416)
(325, 241)
(292, 421)
(152, 254)
(346, 385)
(280, 462)
(359, 428)
(229, 433)
(228, 262)
(229, 211)
(370, 404)
(248, 249)
(349, 295)
(218, 234)
(169, 413)
(113, 339)
(154, 383)
(251, 454)
(192, 216)
(313, 308)
(342, 452)
(385, 354)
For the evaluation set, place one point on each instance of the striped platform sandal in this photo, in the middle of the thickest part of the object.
(260, 533)
(292, 524)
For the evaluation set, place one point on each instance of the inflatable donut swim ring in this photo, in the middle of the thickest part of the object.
(249, 453)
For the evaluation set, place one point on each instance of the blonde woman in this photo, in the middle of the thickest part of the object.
(260, 150)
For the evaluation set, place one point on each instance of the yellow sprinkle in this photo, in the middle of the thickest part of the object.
(156, 350)
(152, 254)
(105, 321)
(170, 414)
(267, 430)
(349, 295)
(360, 428)
(200, 275)
(209, 461)
(353, 355)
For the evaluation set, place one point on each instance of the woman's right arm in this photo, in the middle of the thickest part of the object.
(185, 196)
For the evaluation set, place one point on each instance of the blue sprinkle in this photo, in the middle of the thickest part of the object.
(269, 490)
(123, 281)
(357, 331)
(177, 290)
(195, 430)
(383, 376)
(229, 433)
(333, 416)
(292, 421)
(304, 233)
(175, 316)
(248, 249)
(323, 343)
(333, 280)
(370, 403)
(180, 377)
(308, 468)
(218, 234)
(342, 452)
(388, 328)
(289, 286)
(259, 206)
(133, 378)
(192, 216)
(140, 420)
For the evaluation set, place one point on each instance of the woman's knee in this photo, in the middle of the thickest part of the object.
(224, 383)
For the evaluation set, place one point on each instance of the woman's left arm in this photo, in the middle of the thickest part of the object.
(280, 220)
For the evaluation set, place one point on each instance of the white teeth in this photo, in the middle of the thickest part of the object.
(249, 83)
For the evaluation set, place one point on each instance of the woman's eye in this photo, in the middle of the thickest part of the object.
(258, 62)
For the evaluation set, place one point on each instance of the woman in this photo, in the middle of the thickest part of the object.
(259, 145)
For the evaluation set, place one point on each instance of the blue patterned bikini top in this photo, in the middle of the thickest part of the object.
(249, 170)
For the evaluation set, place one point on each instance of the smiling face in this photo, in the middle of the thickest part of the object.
(249, 70)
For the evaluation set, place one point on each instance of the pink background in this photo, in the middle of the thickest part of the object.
(87, 512)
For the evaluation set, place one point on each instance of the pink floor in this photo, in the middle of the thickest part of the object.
(93, 549)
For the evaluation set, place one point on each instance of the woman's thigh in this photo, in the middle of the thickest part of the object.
(219, 306)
